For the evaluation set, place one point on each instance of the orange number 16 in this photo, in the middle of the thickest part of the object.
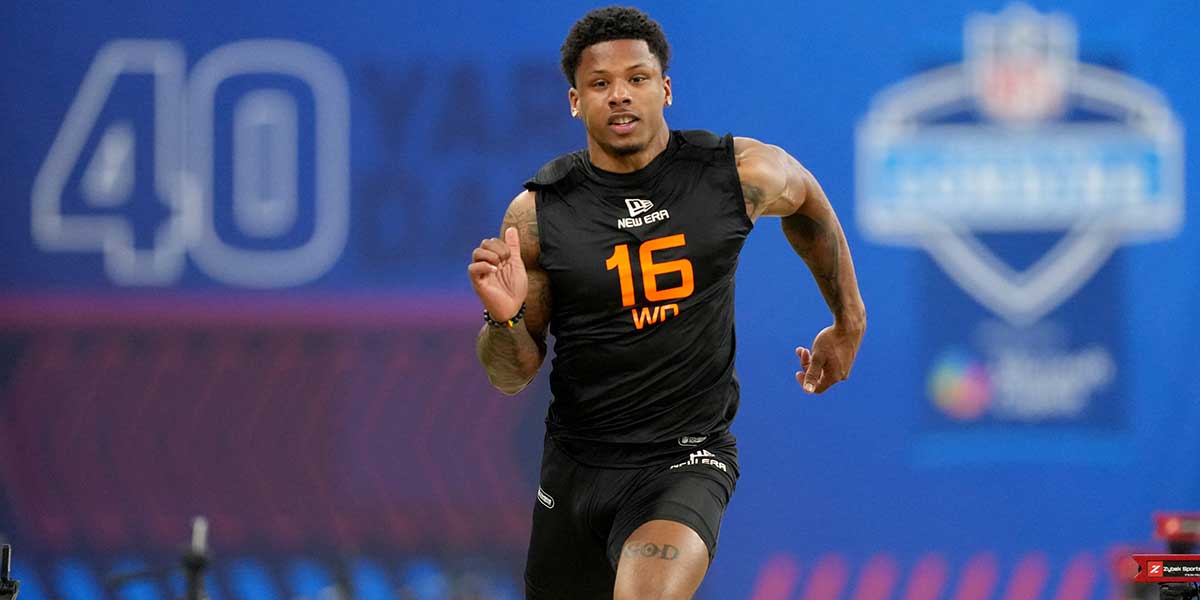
(651, 270)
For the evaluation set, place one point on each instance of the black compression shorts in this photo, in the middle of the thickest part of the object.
(584, 514)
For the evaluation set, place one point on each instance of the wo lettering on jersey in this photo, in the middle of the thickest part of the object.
(621, 261)
(638, 207)
(645, 316)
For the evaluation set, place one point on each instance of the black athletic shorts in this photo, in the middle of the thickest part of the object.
(584, 514)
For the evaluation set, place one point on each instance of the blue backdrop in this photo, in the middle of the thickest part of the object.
(232, 284)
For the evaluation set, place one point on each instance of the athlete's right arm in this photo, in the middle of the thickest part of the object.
(504, 273)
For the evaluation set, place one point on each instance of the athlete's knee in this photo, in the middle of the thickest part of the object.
(647, 588)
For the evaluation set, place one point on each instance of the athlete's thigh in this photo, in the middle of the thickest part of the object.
(566, 559)
(694, 491)
(666, 532)
(661, 559)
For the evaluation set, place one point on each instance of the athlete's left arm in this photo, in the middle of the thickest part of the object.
(775, 184)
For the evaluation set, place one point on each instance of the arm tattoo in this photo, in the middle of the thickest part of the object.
(525, 220)
(650, 550)
(754, 198)
(512, 356)
(530, 232)
(753, 195)
(820, 247)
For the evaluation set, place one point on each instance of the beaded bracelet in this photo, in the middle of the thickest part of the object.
(487, 318)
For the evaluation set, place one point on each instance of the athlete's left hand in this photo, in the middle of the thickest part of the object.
(830, 360)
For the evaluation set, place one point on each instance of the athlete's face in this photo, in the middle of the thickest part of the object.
(620, 92)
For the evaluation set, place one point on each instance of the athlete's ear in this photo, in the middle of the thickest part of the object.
(573, 98)
(667, 87)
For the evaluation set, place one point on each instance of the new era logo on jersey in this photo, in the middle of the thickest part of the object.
(638, 206)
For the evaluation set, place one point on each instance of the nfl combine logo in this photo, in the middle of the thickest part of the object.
(1056, 146)
(1019, 171)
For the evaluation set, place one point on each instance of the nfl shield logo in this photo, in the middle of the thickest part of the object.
(1020, 63)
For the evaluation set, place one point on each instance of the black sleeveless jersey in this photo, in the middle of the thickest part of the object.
(641, 268)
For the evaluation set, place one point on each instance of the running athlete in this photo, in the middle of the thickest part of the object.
(625, 252)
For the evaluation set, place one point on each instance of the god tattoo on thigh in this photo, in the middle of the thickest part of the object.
(652, 550)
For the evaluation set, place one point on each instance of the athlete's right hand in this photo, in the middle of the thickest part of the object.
(498, 275)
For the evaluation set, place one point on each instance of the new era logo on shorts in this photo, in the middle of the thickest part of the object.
(703, 457)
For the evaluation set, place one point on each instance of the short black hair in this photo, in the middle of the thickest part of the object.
(612, 23)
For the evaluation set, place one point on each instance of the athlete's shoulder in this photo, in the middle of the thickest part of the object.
(554, 173)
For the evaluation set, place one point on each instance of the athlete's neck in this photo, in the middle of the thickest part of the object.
(628, 163)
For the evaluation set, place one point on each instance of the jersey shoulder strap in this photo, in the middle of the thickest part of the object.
(560, 174)
(699, 144)
(701, 138)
